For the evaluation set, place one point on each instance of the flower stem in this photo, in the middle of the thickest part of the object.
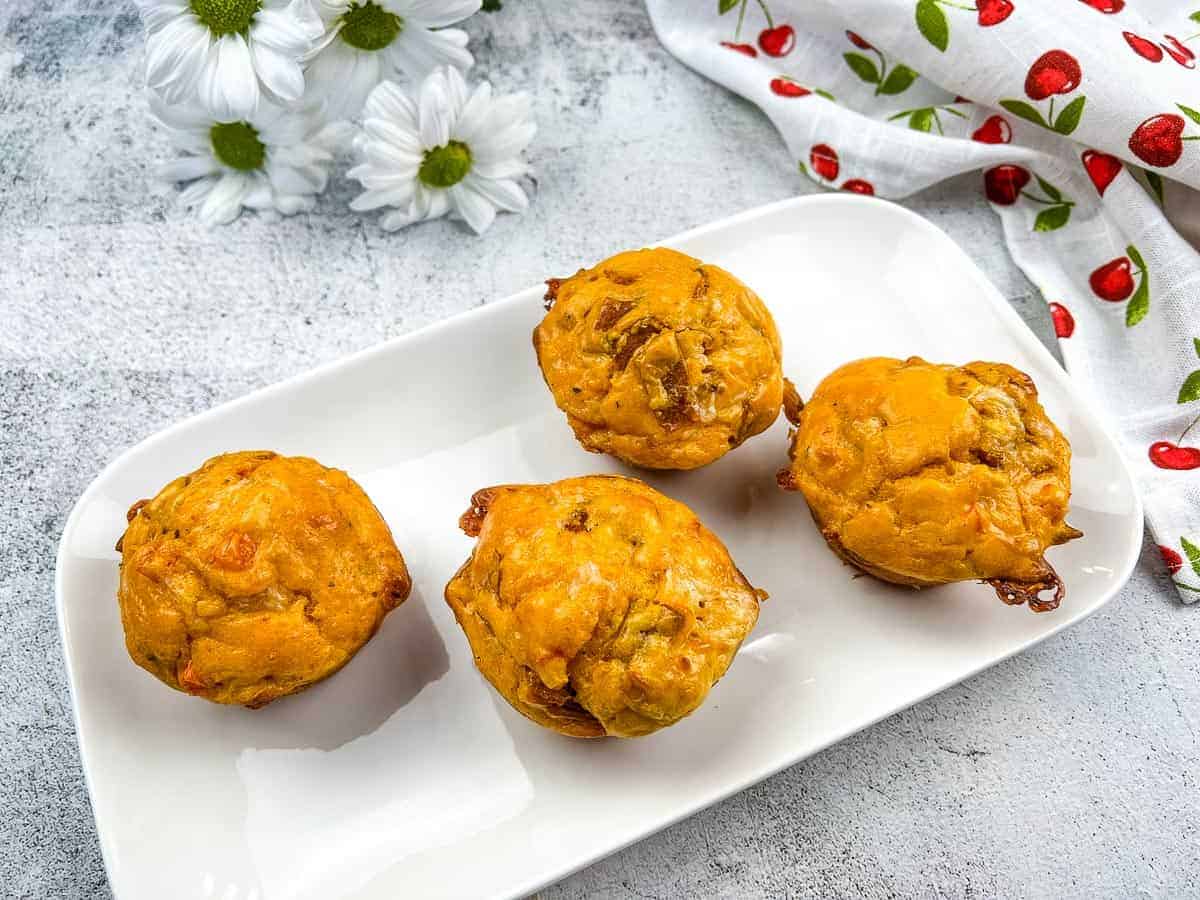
(737, 34)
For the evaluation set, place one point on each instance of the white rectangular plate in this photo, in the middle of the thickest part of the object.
(405, 775)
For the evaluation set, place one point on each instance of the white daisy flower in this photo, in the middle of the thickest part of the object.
(229, 53)
(276, 159)
(367, 41)
(438, 151)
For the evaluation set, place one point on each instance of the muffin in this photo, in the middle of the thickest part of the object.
(254, 577)
(924, 474)
(659, 359)
(598, 606)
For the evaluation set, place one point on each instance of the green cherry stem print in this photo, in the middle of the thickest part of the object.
(1174, 562)
(1115, 282)
(926, 118)
(1004, 185)
(934, 25)
(1055, 72)
(774, 40)
(897, 80)
(1175, 455)
(1190, 389)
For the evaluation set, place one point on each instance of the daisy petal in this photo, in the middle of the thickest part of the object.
(187, 168)
(433, 112)
(195, 192)
(390, 101)
(472, 207)
(224, 201)
(436, 13)
(281, 74)
(474, 114)
(508, 143)
(229, 87)
(374, 199)
(417, 52)
(506, 195)
(290, 205)
(396, 220)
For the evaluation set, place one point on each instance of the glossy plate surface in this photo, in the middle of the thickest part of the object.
(405, 775)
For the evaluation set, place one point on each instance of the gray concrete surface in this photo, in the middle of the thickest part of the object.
(1067, 772)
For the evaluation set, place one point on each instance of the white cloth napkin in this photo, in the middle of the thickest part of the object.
(1082, 116)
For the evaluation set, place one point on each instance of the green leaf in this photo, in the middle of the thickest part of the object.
(1048, 189)
(1025, 111)
(932, 24)
(803, 168)
(921, 119)
(1156, 184)
(1068, 119)
(862, 67)
(1192, 552)
(898, 80)
(1191, 388)
(492, 6)
(1052, 218)
(725, 6)
(1132, 252)
(1190, 113)
(1139, 303)
(825, 94)
(1195, 17)
(1196, 344)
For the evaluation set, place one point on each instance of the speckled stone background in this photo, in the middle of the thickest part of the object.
(1068, 771)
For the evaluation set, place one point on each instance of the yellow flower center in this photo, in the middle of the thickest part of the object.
(226, 16)
(236, 144)
(446, 165)
(368, 26)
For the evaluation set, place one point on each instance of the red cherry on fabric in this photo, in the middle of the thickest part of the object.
(1064, 322)
(858, 186)
(1113, 281)
(824, 161)
(1106, 6)
(740, 48)
(857, 41)
(1158, 141)
(777, 41)
(1054, 72)
(1166, 455)
(995, 130)
(785, 87)
(1101, 168)
(1179, 52)
(1003, 184)
(1173, 560)
(993, 12)
(1142, 47)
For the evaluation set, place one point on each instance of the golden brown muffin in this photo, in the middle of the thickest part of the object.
(923, 474)
(597, 606)
(255, 576)
(659, 359)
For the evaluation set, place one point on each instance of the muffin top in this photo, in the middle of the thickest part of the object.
(598, 606)
(659, 359)
(926, 474)
(255, 576)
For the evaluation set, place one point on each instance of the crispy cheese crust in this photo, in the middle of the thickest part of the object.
(659, 359)
(598, 606)
(255, 576)
(924, 474)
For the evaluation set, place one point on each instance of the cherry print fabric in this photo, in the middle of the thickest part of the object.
(1083, 118)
